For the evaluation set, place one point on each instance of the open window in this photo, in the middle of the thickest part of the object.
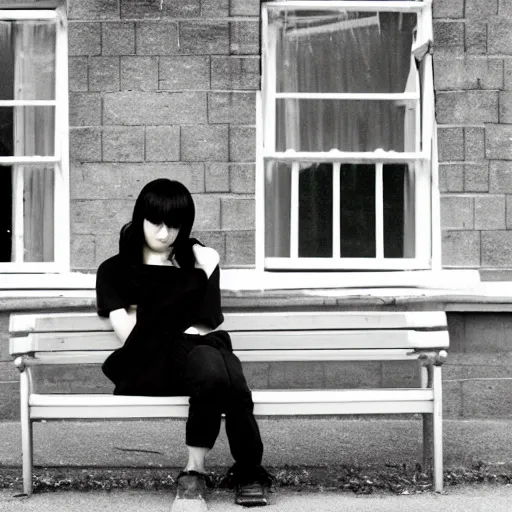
(34, 196)
(347, 175)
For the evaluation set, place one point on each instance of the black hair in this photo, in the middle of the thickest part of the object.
(160, 201)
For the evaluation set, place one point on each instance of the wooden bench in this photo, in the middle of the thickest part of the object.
(49, 339)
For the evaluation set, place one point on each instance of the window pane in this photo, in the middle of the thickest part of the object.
(27, 131)
(394, 183)
(322, 125)
(278, 182)
(38, 216)
(357, 210)
(315, 211)
(27, 60)
(327, 51)
(5, 213)
(27, 209)
(314, 204)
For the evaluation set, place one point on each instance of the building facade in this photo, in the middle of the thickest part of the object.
(385, 163)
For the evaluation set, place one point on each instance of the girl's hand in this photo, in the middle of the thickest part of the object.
(123, 321)
(206, 258)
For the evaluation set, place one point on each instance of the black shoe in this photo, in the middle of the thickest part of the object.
(253, 494)
(191, 492)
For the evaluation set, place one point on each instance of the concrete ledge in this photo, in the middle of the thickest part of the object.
(487, 297)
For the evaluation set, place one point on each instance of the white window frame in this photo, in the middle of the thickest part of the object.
(427, 227)
(60, 160)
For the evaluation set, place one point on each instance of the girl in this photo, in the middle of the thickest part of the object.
(161, 293)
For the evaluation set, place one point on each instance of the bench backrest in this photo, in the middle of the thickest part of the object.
(252, 331)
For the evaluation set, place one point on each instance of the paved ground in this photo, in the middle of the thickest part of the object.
(293, 441)
(287, 442)
(111, 446)
(481, 498)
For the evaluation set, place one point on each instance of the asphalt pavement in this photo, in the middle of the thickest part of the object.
(480, 498)
(288, 442)
(294, 446)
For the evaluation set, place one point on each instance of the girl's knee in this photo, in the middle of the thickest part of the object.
(214, 382)
(206, 371)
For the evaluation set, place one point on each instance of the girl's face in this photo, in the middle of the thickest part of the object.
(159, 237)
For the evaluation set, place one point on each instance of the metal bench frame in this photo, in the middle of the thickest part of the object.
(77, 338)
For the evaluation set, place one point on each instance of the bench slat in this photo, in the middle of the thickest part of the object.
(270, 340)
(275, 396)
(97, 357)
(181, 411)
(260, 321)
(271, 402)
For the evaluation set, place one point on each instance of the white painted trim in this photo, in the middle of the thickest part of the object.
(423, 211)
(362, 6)
(64, 280)
(426, 25)
(259, 188)
(436, 206)
(17, 239)
(269, 81)
(27, 160)
(30, 269)
(27, 15)
(379, 213)
(28, 103)
(336, 26)
(428, 104)
(62, 237)
(351, 283)
(18, 285)
(421, 159)
(399, 96)
(336, 210)
(335, 155)
(60, 159)
(277, 263)
(294, 213)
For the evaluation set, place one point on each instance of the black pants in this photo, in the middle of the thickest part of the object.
(205, 369)
(215, 382)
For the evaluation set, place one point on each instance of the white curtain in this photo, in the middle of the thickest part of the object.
(345, 53)
(34, 134)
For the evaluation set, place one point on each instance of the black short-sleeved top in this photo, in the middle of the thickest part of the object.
(185, 294)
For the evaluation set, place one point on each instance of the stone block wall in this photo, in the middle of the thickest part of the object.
(162, 89)
(472, 73)
(167, 88)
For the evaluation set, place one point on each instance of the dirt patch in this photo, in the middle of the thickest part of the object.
(395, 479)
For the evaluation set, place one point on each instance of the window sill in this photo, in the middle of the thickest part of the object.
(448, 290)
(250, 279)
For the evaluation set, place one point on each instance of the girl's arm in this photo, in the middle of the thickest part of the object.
(206, 258)
(123, 321)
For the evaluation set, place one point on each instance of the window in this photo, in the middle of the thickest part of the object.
(347, 175)
(34, 206)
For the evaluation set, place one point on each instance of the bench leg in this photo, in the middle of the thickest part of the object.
(26, 432)
(426, 382)
(437, 420)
